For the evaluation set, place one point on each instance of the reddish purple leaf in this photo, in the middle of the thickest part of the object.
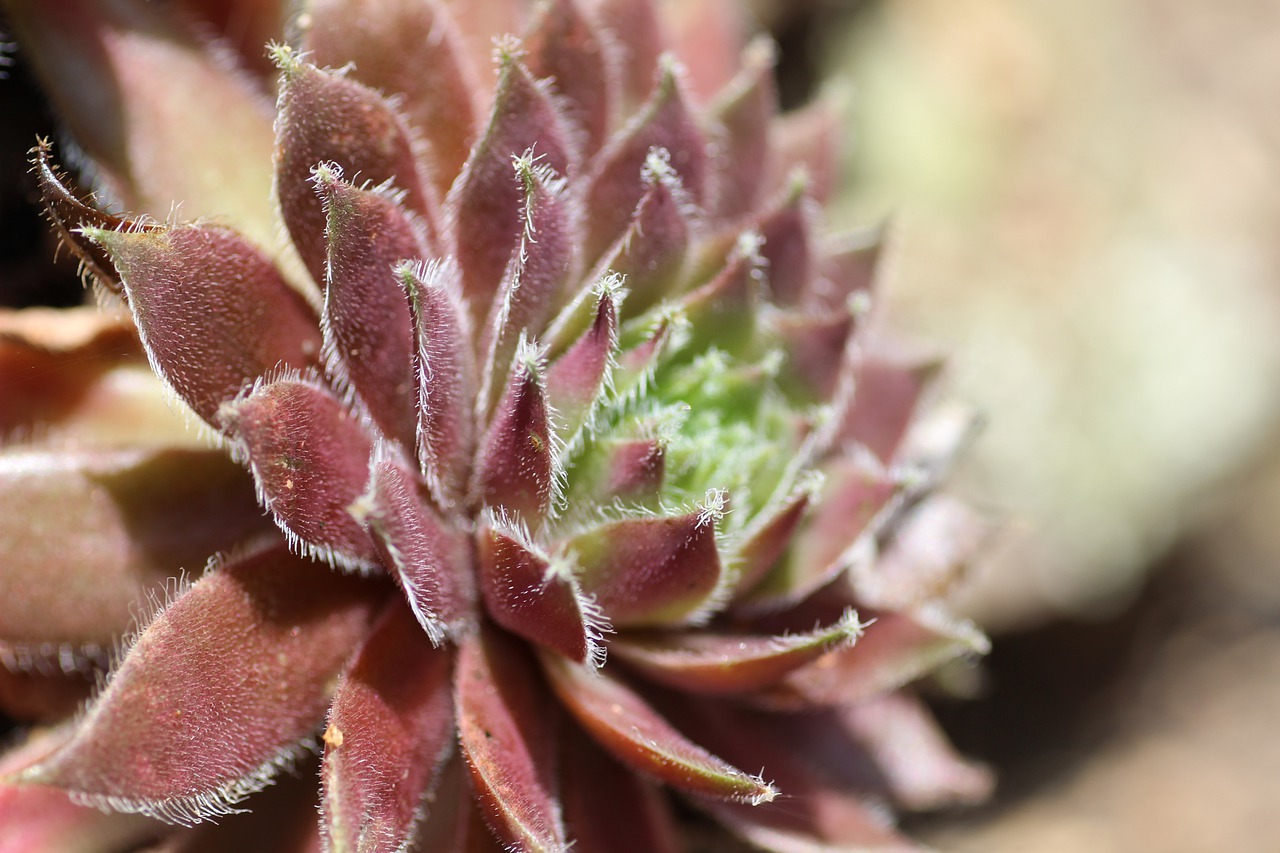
(632, 732)
(480, 22)
(744, 114)
(504, 726)
(515, 468)
(310, 459)
(429, 559)
(888, 389)
(808, 140)
(267, 633)
(327, 118)
(40, 818)
(615, 183)
(390, 730)
(410, 49)
(708, 38)
(609, 809)
(668, 573)
(368, 333)
(68, 590)
(530, 594)
(724, 312)
(636, 36)
(788, 250)
(847, 270)
(213, 312)
(453, 823)
(578, 380)
(896, 649)
(725, 664)
(816, 352)
(636, 469)
(855, 494)
(445, 367)
(484, 206)
(564, 45)
(768, 537)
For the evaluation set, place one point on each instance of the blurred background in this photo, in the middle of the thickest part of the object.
(1084, 203)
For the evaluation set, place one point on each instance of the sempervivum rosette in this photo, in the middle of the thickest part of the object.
(580, 479)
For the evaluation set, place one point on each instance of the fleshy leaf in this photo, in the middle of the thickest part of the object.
(808, 139)
(326, 118)
(609, 809)
(788, 249)
(707, 36)
(615, 182)
(719, 664)
(429, 560)
(897, 649)
(213, 312)
(445, 367)
(410, 49)
(389, 731)
(816, 352)
(532, 595)
(637, 38)
(484, 205)
(887, 392)
(69, 590)
(156, 109)
(724, 313)
(266, 633)
(564, 45)
(847, 270)
(310, 459)
(577, 380)
(505, 732)
(40, 818)
(630, 730)
(516, 464)
(768, 537)
(744, 114)
(41, 696)
(368, 334)
(668, 573)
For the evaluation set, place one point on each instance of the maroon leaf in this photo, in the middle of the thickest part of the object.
(69, 590)
(412, 50)
(516, 465)
(615, 183)
(720, 664)
(368, 333)
(609, 809)
(788, 249)
(310, 459)
(816, 352)
(631, 731)
(35, 696)
(768, 537)
(532, 595)
(888, 389)
(327, 118)
(430, 560)
(635, 470)
(37, 818)
(669, 573)
(484, 205)
(636, 36)
(745, 113)
(267, 633)
(445, 367)
(847, 271)
(505, 732)
(578, 379)
(390, 729)
(724, 312)
(213, 312)
(564, 45)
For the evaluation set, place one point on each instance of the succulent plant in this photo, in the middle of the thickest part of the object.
(547, 368)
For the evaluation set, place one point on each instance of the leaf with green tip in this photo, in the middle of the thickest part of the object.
(445, 367)
(564, 45)
(412, 50)
(266, 633)
(668, 573)
(213, 312)
(632, 732)
(726, 664)
(529, 594)
(368, 333)
(615, 181)
(609, 809)
(429, 559)
(309, 457)
(744, 115)
(153, 105)
(40, 818)
(578, 379)
(504, 727)
(516, 464)
(140, 516)
(484, 205)
(390, 729)
(326, 118)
